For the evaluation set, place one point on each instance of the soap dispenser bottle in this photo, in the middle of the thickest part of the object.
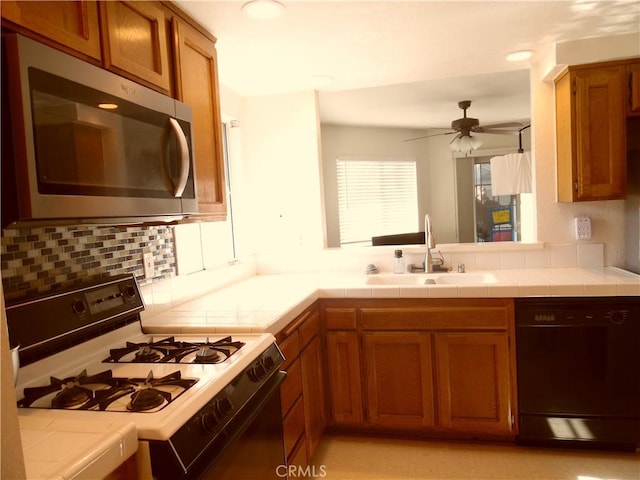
(398, 262)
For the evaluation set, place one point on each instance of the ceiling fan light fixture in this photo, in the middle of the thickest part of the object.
(465, 143)
(263, 9)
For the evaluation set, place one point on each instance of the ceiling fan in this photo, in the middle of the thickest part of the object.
(466, 125)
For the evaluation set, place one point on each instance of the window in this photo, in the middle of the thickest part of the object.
(376, 197)
(218, 238)
(207, 245)
(495, 216)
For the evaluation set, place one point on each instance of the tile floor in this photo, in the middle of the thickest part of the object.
(340, 457)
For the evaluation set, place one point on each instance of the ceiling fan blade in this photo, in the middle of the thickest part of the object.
(427, 136)
(516, 125)
(497, 132)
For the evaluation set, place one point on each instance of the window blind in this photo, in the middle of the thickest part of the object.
(376, 197)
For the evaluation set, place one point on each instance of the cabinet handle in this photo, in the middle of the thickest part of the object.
(289, 330)
(184, 158)
(575, 185)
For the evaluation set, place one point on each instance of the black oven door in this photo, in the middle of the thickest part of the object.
(256, 449)
(250, 447)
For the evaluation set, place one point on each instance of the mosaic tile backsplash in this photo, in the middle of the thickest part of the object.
(38, 260)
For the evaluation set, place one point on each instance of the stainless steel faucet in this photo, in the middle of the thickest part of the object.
(429, 242)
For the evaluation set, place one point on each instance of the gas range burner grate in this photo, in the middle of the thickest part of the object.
(170, 350)
(103, 392)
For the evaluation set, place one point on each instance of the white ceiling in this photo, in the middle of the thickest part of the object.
(402, 63)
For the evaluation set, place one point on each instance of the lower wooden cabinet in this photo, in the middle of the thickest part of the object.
(312, 363)
(303, 391)
(344, 378)
(428, 366)
(398, 379)
(473, 386)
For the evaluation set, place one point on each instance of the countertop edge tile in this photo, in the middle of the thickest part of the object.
(300, 291)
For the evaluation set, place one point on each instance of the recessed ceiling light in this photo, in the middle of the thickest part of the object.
(108, 106)
(519, 55)
(320, 81)
(263, 9)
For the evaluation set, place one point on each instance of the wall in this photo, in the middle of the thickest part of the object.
(36, 260)
(281, 147)
(436, 170)
(12, 460)
(556, 219)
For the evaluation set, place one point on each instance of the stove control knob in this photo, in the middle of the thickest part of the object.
(129, 291)
(208, 421)
(269, 364)
(617, 317)
(78, 307)
(257, 372)
(223, 407)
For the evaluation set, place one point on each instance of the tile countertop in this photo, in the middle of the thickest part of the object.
(267, 303)
(60, 449)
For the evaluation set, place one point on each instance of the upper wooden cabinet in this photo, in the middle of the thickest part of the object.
(152, 43)
(135, 42)
(591, 108)
(197, 85)
(634, 89)
(71, 24)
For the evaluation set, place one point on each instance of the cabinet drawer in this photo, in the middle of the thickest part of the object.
(340, 318)
(309, 328)
(298, 456)
(291, 388)
(290, 348)
(293, 425)
(435, 318)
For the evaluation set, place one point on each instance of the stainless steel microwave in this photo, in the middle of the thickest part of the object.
(88, 146)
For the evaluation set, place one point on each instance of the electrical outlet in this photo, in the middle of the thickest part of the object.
(583, 228)
(147, 262)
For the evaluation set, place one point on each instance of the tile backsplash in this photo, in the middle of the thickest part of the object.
(38, 260)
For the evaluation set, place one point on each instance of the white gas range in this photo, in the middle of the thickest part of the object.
(86, 357)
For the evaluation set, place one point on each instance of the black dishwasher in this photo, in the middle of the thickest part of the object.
(578, 364)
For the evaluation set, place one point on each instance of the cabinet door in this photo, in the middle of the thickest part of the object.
(473, 386)
(73, 24)
(591, 134)
(197, 86)
(344, 378)
(399, 379)
(600, 139)
(634, 89)
(135, 42)
(311, 361)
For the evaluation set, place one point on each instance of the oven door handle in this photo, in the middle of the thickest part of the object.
(184, 158)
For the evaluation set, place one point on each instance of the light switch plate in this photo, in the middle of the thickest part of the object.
(148, 264)
(583, 228)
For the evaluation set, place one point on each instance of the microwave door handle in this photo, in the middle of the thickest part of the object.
(184, 158)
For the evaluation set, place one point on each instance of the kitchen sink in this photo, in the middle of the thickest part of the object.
(467, 278)
(432, 279)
